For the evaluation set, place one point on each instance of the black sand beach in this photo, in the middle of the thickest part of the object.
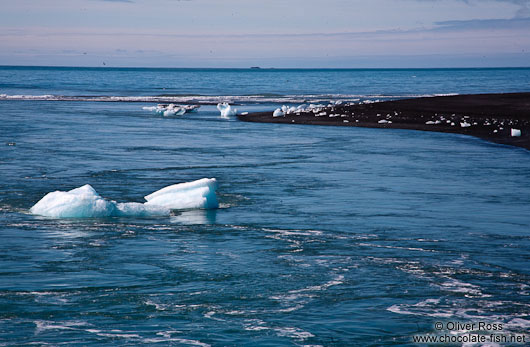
(488, 116)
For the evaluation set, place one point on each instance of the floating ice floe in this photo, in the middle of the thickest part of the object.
(384, 121)
(465, 124)
(85, 202)
(515, 132)
(226, 110)
(172, 109)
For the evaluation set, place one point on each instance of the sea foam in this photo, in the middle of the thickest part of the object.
(85, 202)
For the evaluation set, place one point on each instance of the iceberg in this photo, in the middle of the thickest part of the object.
(85, 202)
(226, 110)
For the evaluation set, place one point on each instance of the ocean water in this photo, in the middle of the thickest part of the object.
(325, 235)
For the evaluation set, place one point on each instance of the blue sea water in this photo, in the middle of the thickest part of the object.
(325, 236)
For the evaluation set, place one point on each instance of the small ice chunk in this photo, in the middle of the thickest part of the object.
(244, 113)
(345, 121)
(287, 110)
(226, 110)
(174, 112)
(191, 108)
(430, 122)
(465, 124)
(384, 121)
(170, 110)
(278, 113)
(516, 132)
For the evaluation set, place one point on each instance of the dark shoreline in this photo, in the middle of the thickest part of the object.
(481, 115)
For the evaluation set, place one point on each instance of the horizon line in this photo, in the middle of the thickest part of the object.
(266, 68)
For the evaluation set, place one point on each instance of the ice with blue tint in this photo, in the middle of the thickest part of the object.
(190, 195)
(85, 202)
(278, 113)
(226, 110)
(80, 202)
(167, 110)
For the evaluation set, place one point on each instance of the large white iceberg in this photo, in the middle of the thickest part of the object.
(226, 110)
(85, 202)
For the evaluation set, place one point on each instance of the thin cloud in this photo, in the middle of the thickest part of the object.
(522, 12)
(514, 23)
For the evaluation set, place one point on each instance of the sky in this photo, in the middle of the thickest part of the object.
(269, 33)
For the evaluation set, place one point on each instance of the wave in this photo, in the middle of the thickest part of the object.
(215, 99)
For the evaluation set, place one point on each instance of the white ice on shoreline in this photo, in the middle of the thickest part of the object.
(226, 110)
(85, 202)
(515, 132)
(278, 113)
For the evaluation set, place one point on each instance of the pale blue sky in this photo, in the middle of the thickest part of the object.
(271, 33)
